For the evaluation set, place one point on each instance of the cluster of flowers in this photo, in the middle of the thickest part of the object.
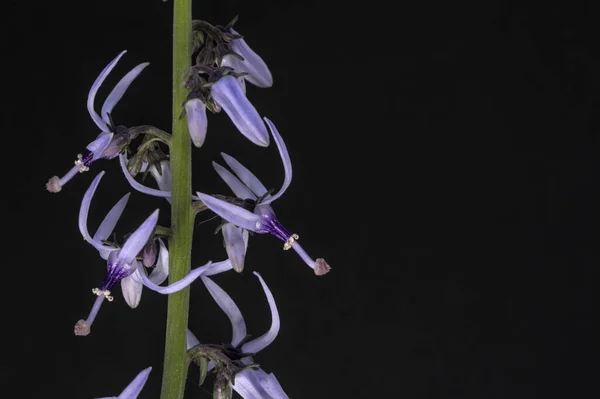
(224, 63)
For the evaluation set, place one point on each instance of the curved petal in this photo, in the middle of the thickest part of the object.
(136, 242)
(258, 344)
(218, 268)
(132, 289)
(94, 89)
(285, 158)
(83, 214)
(135, 387)
(232, 213)
(238, 188)
(228, 306)
(111, 219)
(236, 243)
(138, 186)
(249, 386)
(191, 339)
(120, 88)
(247, 177)
(228, 94)
(178, 285)
(258, 71)
(161, 271)
(165, 178)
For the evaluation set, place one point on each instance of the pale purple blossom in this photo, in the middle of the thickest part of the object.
(135, 386)
(257, 71)
(261, 219)
(227, 93)
(197, 121)
(106, 145)
(250, 383)
(122, 265)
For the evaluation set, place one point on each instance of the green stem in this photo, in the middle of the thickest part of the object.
(182, 217)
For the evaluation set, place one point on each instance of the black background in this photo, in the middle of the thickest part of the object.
(476, 128)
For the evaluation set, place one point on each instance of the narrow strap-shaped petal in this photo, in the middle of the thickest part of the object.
(191, 339)
(132, 289)
(218, 268)
(117, 92)
(236, 242)
(258, 71)
(228, 306)
(138, 239)
(178, 285)
(238, 188)
(285, 158)
(228, 94)
(135, 387)
(249, 386)
(165, 178)
(83, 214)
(138, 186)
(270, 383)
(98, 146)
(258, 344)
(235, 64)
(232, 213)
(247, 177)
(161, 271)
(95, 86)
(110, 220)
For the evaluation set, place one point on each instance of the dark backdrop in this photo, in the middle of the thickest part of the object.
(473, 127)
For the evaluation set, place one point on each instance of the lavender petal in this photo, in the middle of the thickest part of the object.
(83, 214)
(119, 90)
(247, 177)
(285, 158)
(236, 242)
(238, 188)
(228, 306)
(132, 289)
(249, 386)
(232, 213)
(227, 93)
(110, 220)
(196, 120)
(265, 340)
(138, 186)
(135, 387)
(258, 72)
(94, 89)
(138, 239)
(161, 271)
(235, 64)
(178, 285)
(190, 339)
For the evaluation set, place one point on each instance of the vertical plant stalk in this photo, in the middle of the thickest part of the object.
(182, 222)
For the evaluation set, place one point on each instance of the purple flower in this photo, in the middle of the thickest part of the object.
(257, 70)
(135, 387)
(106, 145)
(195, 111)
(122, 265)
(249, 383)
(227, 93)
(261, 217)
